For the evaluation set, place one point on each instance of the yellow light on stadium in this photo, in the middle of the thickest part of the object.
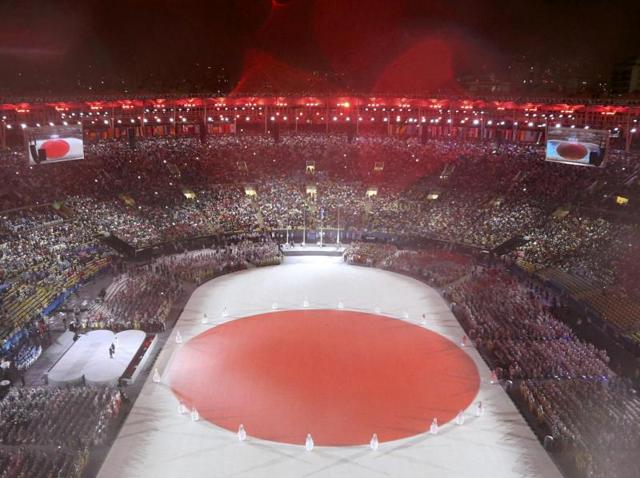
(128, 200)
(622, 201)
(310, 167)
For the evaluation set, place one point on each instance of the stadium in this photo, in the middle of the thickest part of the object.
(295, 279)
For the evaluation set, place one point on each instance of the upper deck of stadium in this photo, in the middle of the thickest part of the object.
(514, 119)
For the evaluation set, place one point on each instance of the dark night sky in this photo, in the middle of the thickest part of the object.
(180, 45)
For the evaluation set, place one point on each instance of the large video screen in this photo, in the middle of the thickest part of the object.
(584, 147)
(52, 144)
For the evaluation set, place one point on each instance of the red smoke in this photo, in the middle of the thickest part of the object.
(262, 73)
(364, 43)
(353, 35)
(427, 66)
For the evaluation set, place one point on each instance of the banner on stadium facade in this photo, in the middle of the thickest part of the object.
(584, 147)
(52, 144)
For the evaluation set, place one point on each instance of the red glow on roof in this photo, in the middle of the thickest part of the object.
(425, 67)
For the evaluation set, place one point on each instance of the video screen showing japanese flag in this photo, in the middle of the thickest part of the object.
(584, 147)
(52, 144)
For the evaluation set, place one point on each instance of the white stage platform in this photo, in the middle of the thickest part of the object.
(89, 358)
(156, 441)
(314, 250)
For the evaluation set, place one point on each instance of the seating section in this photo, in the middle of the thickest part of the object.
(437, 266)
(42, 261)
(167, 190)
(594, 423)
(499, 200)
(369, 254)
(565, 384)
(39, 463)
(520, 334)
(49, 431)
(142, 298)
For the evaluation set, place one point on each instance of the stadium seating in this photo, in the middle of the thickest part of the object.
(560, 224)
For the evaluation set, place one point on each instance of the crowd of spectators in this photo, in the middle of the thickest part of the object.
(49, 431)
(482, 194)
(565, 382)
(595, 424)
(43, 255)
(142, 298)
(438, 266)
(38, 463)
(490, 196)
(138, 299)
(624, 266)
(205, 264)
(368, 254)
(591, 414)
(519, 332)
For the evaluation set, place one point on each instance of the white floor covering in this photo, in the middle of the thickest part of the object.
(156, 441)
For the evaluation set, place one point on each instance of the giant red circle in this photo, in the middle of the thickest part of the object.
(338, 375)
(56, 148)
(572, 151)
